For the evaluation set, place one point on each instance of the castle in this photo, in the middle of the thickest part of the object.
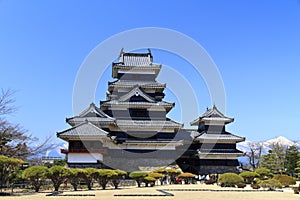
(130, 130)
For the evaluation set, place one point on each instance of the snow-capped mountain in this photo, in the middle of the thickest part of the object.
(281, 141)
(56, 151)
(266, 146)
(245, 146)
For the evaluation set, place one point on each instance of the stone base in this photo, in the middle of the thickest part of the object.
(217, 169)
(138, 164)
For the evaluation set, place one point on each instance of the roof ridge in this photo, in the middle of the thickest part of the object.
(73, 127)
(86, 122)
(98, 110)
(137, 91)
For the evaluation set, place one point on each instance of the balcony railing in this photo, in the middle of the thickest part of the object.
(66, 151)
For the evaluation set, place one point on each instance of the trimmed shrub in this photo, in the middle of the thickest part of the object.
(271, 184)
(285, 180)
(264, 173)
(36, 175)
(173, 173)
(257, 180)
(187, 177)
(119, 175)
(57, 174)
(230, 179)
(248, 176)
(89, 175)
(8, 169)
(160, 170)
(104, 175)
(149, 180)
(74, 176)
(138, 176)
(155, 175)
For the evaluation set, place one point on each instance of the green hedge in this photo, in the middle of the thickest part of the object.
(230, 179)
(285, 180)
(271, 184)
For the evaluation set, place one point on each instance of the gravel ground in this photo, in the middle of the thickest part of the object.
(212, 193)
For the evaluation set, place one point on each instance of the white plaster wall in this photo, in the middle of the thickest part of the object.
(84, 157)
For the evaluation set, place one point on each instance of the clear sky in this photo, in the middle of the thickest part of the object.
(254, 43)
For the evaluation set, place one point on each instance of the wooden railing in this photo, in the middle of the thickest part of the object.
(66, 151)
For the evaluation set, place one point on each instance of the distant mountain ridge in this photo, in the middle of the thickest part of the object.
(281, 140)
(267, 145)
(56, 151)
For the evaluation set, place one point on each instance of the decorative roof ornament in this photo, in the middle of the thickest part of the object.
(121, 52)
(212, 115)
(136, 91)
(90, 114)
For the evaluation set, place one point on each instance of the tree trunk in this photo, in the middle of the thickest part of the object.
(56, 187)
(89, 187)
(116, 183)
(36, 188)
(74, 187)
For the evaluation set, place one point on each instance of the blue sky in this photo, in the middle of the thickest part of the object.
(255, 45)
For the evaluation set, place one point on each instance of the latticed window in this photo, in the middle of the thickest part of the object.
(76, 145)
(138, 113)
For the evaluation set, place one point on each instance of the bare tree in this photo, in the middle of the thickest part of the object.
(14, 142)
(6, 102)
(254, 154)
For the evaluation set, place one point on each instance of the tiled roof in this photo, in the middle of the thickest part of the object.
(92, 114)
(212, 114)
(135, 62)
(224, 136)
(85, 129)
(130, 59)
(137, 104)
(95, 120)
(143, 84)
(135, 59)
(148, 124)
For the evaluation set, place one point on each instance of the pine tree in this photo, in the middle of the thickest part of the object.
(297, 169)
(275, 159)
(292, 156)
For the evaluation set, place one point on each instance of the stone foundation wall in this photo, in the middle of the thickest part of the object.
(217, 169)
(142, 164)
